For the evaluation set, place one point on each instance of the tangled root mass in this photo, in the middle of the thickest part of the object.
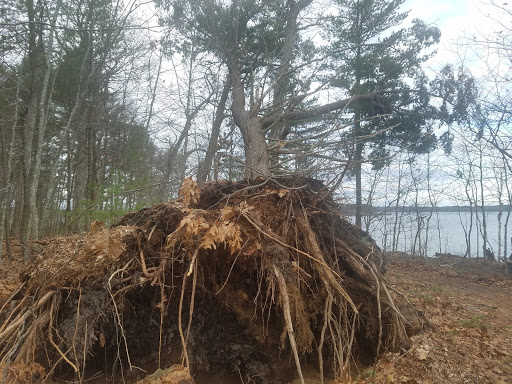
(253, 279)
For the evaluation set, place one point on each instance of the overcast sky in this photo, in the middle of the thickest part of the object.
(457, 19)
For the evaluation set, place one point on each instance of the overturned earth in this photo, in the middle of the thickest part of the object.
(254, 280)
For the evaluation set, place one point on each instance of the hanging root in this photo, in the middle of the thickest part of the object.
(327, 314)
(183, 336)
(326, 274)
(52, 342)
(288, 319)
(119, 322)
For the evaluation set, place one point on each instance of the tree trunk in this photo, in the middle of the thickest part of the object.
(6, 193)
(28, 136)
(358, 158)
(65, 141)
(507, 219)
(206, 165)
(37, 117)
(257, 161)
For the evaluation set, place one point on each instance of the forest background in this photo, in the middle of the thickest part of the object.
(106, 107)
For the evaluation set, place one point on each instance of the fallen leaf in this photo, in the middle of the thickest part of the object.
(190, 191)
(282, 192)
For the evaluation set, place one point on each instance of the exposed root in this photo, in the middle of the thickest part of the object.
(119, 322)
(288, 320)
(50, 338)
(327, 314)
(231, 250)
(325, 273)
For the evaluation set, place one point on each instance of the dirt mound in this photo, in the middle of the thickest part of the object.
(232, 278)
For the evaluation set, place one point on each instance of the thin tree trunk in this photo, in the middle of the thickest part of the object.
(507, 218)
(5, 195)
(358, 157)
(153, 90)
(487, 254)
(396, 229)
(28, 136)
(433, 204)
(44, 100)
(470, 230)
(80, 96)
(206, 165)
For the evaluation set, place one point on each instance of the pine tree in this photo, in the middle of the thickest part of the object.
(376, 56)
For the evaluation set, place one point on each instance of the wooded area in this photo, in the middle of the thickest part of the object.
(109, 108)
(103, 111)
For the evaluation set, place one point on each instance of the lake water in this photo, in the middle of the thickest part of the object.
(445, 233)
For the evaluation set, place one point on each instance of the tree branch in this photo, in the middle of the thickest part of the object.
(298, 115)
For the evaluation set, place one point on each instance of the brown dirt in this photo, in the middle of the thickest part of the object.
(468, 303)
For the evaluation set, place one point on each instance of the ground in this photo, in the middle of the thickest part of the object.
(468, 305)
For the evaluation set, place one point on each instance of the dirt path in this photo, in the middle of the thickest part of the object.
(469, 306)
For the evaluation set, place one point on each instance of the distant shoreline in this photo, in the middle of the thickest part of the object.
(366, 210)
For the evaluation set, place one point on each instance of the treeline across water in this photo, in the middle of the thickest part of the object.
(443, 230)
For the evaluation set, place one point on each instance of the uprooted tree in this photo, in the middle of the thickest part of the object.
(241, 278)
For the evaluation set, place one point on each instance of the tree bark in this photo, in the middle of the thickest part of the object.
(6, 193)
(37, 116)
(358, 157)
(257, 161)
(206, 165)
